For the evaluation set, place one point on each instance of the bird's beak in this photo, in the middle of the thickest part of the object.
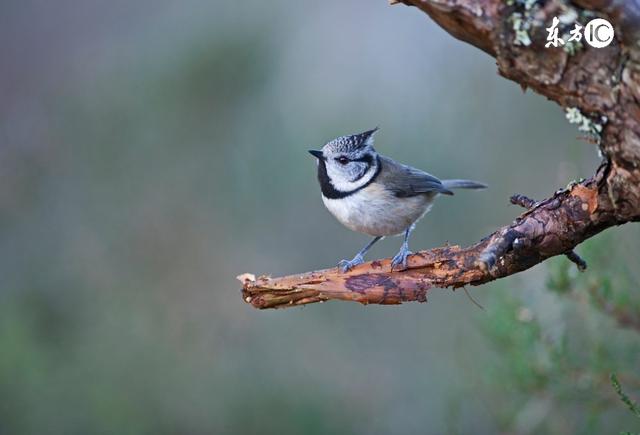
(316, 153)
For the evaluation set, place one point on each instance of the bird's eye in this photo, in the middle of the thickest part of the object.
(342, 160)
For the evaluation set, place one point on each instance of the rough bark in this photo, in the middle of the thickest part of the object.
(602, 83)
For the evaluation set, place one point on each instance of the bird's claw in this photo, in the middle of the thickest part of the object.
(347, 265)
(401, 258)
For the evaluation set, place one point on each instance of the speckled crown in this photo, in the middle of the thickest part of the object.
(345, 144)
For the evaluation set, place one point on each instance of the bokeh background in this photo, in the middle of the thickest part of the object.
(151, 151)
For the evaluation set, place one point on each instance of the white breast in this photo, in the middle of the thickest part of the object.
(377, 212)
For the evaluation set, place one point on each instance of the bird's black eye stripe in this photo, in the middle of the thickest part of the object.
(367, 158)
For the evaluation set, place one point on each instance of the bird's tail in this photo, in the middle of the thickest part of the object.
(463, 184)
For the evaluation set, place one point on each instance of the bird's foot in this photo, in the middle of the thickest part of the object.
(347, 265)
(401, 258)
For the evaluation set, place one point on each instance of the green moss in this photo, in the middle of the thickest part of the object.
(585, 123)
(522, 20)
(572, 47)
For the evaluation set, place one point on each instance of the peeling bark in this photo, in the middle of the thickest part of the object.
(603, 83)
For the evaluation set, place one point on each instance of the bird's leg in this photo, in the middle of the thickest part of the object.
(346, 265)
(401, 257)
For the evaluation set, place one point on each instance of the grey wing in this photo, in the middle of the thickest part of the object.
(405, 181)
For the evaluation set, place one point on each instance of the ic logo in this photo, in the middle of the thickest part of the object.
(598, 33)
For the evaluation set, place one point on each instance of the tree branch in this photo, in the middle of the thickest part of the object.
(602, 87)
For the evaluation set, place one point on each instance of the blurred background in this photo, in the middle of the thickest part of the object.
(151, 151)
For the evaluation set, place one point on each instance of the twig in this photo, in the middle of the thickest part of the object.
(575, 258)
(522, 201)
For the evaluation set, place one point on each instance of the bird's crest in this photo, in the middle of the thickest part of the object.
(353, 142)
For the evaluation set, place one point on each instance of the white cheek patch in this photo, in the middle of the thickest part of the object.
(341, 184)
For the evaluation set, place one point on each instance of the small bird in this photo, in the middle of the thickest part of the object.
(374, 195)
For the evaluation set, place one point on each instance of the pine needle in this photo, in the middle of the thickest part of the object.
(472, 300)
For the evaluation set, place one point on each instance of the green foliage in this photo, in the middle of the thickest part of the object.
(517, 336)
(632, 405)
(558, 346)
